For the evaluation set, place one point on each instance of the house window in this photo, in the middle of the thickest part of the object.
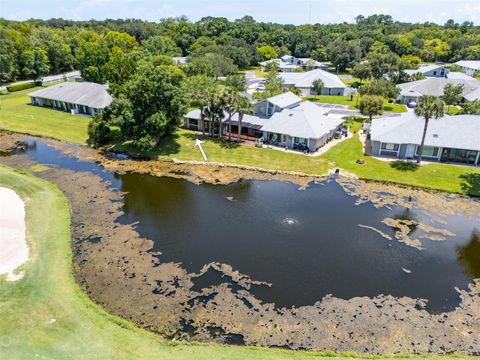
(390, 147)
(434, 73)
(297, 140)
(428, 151)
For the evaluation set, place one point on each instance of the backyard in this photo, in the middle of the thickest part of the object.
(17, 115)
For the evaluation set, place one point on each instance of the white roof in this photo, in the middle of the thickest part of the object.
(434, 87)
(458, 132)
(284, 100)
(423, 69)
(459, 76)
(305, 120)
(286, 57)
(306, 79)
(81, 93)
(472, 64)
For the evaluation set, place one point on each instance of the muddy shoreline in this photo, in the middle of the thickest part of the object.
(119, 270)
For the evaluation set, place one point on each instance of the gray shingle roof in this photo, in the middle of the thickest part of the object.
(306, 79)
(472, 64)
(305, 120)
(459, 132)
(284, 100)
(434, 86)
(81, 93)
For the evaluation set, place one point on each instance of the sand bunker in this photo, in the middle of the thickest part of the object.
(13, 245)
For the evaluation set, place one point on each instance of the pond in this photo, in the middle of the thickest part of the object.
(305, 243)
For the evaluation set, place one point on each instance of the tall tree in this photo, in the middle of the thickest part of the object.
(428, 107)
(36, 64)
(371, 105)
(317, 86)
(242, 106)
(267, 52)
(362, 72)
(452, 94)
(150, 105)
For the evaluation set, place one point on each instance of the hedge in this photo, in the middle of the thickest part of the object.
(22, 86)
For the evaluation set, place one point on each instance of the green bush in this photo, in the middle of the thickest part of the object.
(98, 132)
(22, 86)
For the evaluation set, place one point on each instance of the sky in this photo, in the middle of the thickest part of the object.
(280, 11)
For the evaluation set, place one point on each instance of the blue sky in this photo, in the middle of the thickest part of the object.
(282, 11)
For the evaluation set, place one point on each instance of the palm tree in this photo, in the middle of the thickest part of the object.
(242, 106)
(229, 100)
(428, 107)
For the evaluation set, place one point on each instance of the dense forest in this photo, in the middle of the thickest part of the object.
(106, 50)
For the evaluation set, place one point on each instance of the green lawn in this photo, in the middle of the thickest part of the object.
(259, 73)
(16, 115)
(345, 100)
(180, 146)
(438, 176)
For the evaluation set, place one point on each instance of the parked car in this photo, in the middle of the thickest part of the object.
(412, 104)
(261, 87)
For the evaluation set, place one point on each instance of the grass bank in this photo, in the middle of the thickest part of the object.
(16, 115)
(445, 177)
(345, 100)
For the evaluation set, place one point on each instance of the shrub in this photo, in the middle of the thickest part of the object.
(22, 86)
(98, 132)
(19, 87)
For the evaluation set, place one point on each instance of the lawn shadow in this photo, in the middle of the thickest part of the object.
(404, 166)
(223, 143)
(470, 184)
(167, 146)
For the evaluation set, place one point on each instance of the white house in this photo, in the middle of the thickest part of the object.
(412, 91)
(289, 63)
(470, 67)
(77, 97)
(332, 85)
(304, 123)
(450, 138)
(432, 70)
(283, 119)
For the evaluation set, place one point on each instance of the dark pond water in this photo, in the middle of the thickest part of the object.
(307, 243)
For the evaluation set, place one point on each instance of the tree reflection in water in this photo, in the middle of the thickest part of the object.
(469, 255)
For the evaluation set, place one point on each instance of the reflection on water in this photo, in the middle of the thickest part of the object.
(307, 243)
(469, 256)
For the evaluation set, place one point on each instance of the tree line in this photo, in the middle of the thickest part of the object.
(218, 45)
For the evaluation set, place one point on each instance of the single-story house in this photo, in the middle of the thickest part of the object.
(433, 70)
(332, 85)
(289, 63)
(288, 122)
(76, 97)
(251, 124)
(304, 124)
(450, 138)
(470, 67)
(411, 91)
(268, 107)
